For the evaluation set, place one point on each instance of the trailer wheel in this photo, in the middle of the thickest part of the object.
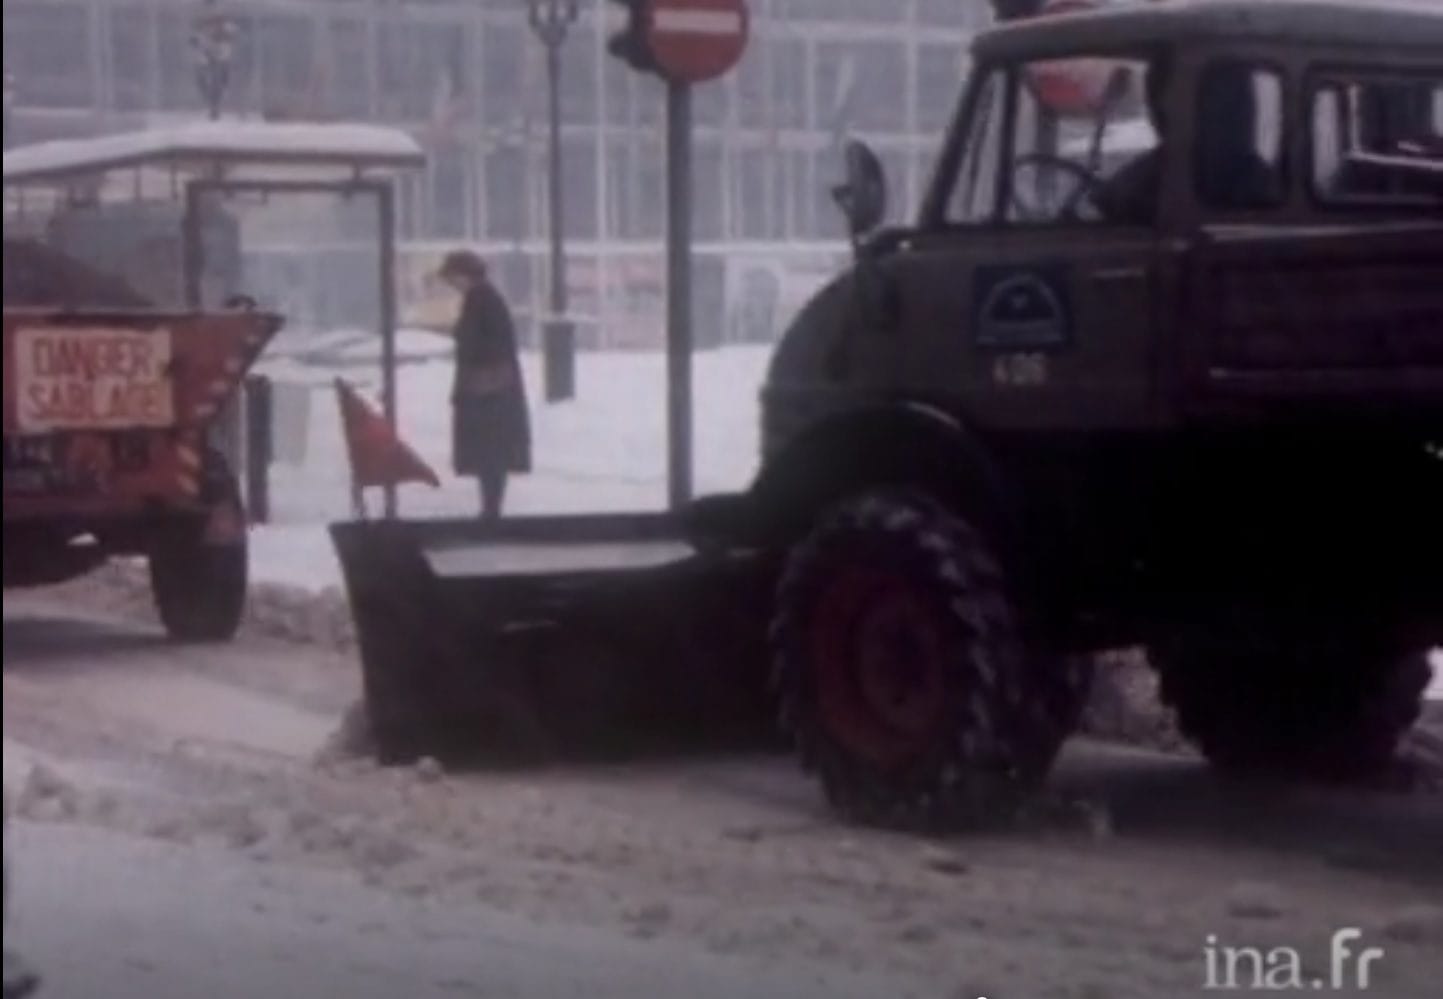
(199, 571)
(901, 671)
(1263, 697)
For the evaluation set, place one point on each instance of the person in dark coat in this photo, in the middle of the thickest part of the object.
(491, 431)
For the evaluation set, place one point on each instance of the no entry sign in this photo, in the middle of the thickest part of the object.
(1072, 86)
(697, 40)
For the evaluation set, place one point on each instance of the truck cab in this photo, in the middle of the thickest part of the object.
(1147, 217)
(1147, 226)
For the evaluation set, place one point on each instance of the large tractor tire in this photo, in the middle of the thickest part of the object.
(198, 576)
(1316, 697)
(902, 673)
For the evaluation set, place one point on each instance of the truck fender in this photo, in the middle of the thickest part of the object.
(905, 443)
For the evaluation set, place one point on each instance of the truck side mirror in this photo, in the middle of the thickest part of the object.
(862, 197)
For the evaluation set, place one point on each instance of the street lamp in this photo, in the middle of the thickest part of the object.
(212, 45)
(551, 20)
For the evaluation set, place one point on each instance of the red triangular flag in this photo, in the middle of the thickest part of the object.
(378, 456)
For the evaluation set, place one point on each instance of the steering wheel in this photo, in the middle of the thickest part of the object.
(1087, 181)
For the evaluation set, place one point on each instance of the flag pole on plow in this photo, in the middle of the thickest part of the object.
(377, 454)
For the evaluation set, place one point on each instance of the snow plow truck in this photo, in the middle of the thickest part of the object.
(1159, 364)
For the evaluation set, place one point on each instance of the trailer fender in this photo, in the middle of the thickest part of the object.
(906, 444)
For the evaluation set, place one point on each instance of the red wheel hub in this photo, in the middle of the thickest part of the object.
(879, 658)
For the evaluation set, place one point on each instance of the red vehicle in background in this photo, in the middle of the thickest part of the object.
(106, 451)
(125, 343)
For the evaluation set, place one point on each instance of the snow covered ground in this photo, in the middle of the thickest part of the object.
(104, 914)
(174, 833)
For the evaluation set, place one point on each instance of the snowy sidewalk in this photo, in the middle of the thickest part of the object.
(605, 450)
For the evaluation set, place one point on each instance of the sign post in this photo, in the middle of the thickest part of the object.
(689, 42)
(678, 295)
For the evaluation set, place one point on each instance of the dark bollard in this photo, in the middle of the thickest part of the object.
(260, 447)
(559, 354)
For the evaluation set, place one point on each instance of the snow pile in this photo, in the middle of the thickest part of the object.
(352, 739)
(291, 613)
(47, 796)
(1422, 748)
(1125, 705)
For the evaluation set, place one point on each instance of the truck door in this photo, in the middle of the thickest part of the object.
(1319, 315)
(1350, 304)
(1037, 279)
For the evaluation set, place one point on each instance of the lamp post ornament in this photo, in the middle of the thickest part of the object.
(212, 44)
(551, 20)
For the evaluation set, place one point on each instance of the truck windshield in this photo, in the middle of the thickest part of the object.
(1082, 144)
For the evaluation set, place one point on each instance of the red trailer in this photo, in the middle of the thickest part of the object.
(112, 398)
(106, 452)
